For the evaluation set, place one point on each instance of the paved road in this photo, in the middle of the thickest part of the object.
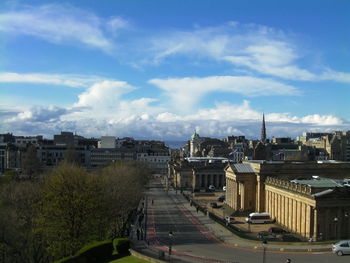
(192, 242)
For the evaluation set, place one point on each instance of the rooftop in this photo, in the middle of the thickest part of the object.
(318, 182)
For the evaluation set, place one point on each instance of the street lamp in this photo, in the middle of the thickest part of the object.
(346, 215)
(264, 243)
(336, 226)
(170, 242)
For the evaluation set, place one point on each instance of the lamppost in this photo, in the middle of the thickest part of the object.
(170, 242)
(264, 243)
(346, 215)
(336, 226)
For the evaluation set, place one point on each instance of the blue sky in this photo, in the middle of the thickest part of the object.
(161, 69)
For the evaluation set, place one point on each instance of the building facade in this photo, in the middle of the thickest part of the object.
(291, 193)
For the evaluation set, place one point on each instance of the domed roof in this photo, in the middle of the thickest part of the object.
(195, 135)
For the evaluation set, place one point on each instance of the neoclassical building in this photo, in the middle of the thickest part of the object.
(198, 173)
(305, 198)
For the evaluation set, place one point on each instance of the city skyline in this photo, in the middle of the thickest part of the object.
(162, 69)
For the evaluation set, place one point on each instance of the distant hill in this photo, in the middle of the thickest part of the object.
(175, 144)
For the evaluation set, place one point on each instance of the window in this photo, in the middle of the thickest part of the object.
(346, 244)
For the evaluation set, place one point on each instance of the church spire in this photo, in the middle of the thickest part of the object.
(263, 130)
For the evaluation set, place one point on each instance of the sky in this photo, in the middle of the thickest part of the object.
(162, 69)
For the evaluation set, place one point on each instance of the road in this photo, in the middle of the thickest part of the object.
(191, 242)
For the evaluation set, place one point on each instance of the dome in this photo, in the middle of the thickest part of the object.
(195, 135)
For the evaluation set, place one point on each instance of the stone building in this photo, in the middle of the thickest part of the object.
(315, 208)
(198, 173)
(295, 194)
(335, 144)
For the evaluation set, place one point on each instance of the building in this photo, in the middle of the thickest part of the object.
(102, 157)
(335, 145)
(317, 208)
(198, 173)
(107, 142)
(152, 153)
(282, 189)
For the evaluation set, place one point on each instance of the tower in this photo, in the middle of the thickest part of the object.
(263, 130)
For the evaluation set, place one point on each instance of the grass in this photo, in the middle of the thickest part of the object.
(129, 259)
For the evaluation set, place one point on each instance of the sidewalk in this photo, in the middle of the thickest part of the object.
(231, 239)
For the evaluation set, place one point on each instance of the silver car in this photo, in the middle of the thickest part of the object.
(341, 248)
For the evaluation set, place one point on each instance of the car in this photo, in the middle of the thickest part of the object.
(341, 248)
(259, 218)
(211, 188)
(214, 205)
(221, 198)
(265, 235)
(230, 219)
(277, 230)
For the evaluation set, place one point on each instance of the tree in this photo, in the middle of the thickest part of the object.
(123, 188)
(31, 163)
(69, 209)
(71, 156)
(17, 241)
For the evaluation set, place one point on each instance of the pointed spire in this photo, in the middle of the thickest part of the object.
(263, 130)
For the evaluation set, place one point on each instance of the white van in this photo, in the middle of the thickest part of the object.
(259, 218)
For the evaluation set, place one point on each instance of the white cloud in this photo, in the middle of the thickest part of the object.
(52, 79)
(186, 92)
(103, 94)
(222, 120)
(260, 49)
(37, 114)
(313, 119)
(115, 24)
(336, 76)
(274, 58)
(61, 24)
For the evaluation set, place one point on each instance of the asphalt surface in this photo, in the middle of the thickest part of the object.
(193, 237)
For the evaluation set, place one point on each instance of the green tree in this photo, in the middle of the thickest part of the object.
(17, 241)
(70, 208)
(123, 188)
(30, 162)
(71, 156)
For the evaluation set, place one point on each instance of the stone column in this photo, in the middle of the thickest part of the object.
(294, 222)
(283, 214)
(303, 219)
(290, 213)
(298, 228)
(316, 234)
(308, 222)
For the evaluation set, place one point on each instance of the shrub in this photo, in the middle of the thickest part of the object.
(122, 245)
(92, 253)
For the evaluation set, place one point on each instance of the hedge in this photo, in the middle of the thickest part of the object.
(121, 245)
(91, 253)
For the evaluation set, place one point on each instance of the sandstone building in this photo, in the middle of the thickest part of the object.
(297, 194)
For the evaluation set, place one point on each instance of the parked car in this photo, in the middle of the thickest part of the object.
(265, 235)
(221, 198)
(259, 218)
(277, 230)
(211, 188)
(341, 248)
(230, 219)
(214, 205)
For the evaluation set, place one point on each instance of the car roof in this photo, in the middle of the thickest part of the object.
(342, 241)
